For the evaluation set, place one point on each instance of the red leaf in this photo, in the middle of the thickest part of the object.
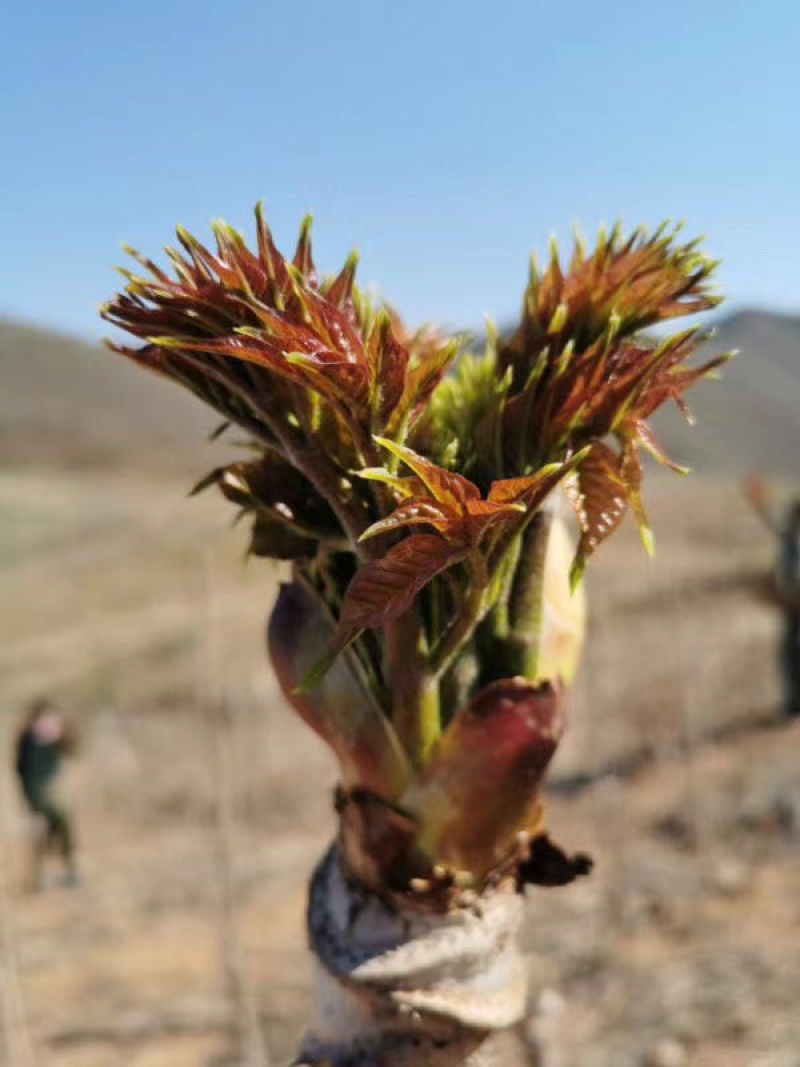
(630, 468)
(303, 259)
(483, 514)
(447, 488)
(600, 498)
(336, 380)
(530, 490)
(576, 373)
(340, 290)
(341, 709)
(335, 325)
(481, 509)
(644, 435)
(481, 784)
(425, 370)
(385, 588)
(238, 304)
(412, 512)
(387, 360)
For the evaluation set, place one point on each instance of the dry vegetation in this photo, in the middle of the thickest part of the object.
(198, 828)
(132, 604)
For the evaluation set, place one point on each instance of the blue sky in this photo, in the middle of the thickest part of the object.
(445, 140)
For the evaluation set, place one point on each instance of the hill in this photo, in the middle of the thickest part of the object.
(131, 604)
(197, 829)
(65, 403)
(750, 419)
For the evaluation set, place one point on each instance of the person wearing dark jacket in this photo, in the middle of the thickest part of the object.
(43, 741)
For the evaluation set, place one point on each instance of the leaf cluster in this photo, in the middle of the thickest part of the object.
(307, 367)
(405, 478)
(361, 437)
(578, 373)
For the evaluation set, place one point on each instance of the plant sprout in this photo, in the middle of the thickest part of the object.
(432, 621)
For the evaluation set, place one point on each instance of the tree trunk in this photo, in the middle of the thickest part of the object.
(396, 988)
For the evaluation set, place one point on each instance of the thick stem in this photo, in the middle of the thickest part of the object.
(527, 597)
(414, 692)
(462, 626)
(403, 989)
(512, 636)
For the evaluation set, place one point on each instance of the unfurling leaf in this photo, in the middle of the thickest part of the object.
(599, 495)
(480, 787)
(384, 588)
(454, 506)
(630, 468)
(429, 358)
(387, 360)
(622, 287)
(445, 487)
(341, 709)
(580, 371)
(415, 511)
(308, 370)
(641, 432)
(303, 260)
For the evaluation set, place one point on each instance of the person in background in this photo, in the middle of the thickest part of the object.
(786, 586)
(43, 741)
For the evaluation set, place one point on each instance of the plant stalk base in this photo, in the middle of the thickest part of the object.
(397, 988)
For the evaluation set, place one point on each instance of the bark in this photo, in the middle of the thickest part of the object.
(395, 988)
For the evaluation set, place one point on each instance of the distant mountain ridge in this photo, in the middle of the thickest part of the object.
(749, 420)
(64, 402)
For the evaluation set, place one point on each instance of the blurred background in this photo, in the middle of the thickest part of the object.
(447, 141)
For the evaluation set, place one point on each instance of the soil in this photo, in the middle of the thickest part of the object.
(202, 804)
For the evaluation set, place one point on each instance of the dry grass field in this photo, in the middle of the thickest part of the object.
(202, 804)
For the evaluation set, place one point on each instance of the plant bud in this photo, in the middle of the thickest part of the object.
(480, 787)
(342, 708)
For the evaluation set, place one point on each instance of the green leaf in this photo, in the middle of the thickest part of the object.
(447, 488)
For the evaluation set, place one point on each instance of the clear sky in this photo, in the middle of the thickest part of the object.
(445, 140)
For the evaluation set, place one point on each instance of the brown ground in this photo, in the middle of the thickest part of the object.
(131, 604)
